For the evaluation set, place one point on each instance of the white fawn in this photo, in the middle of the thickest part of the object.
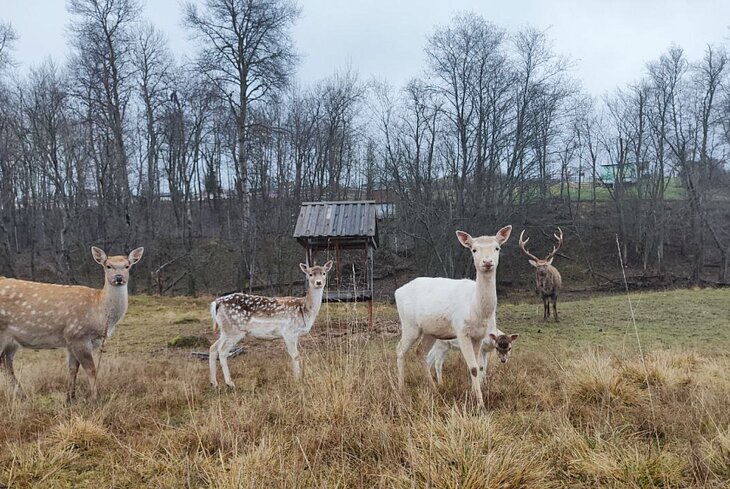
(238, 315)
(498, 341)
(440, 308)
(45, 316)
(547, 278)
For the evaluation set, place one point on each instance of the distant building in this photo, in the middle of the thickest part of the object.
(611, 171)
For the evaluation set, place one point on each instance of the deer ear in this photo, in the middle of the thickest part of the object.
(464, 239)
(304, 268)
(503, 234)
(533, 263)
(513, 337)
(135, 255)
(493, 337)
(98, 254)
(328, 266)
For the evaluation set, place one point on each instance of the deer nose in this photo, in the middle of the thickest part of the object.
(119, 278)
(318, 282)
(488, 262)
(504, 360)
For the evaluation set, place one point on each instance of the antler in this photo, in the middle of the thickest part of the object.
(556, 248)
(522, 244)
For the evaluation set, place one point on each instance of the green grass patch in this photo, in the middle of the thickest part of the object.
(187, 320)
(180, 341)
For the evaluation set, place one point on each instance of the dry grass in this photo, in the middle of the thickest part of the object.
(575, 407)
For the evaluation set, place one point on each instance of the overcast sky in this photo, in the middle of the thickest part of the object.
(610, 40)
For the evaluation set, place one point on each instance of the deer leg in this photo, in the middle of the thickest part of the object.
(555, 309)
(546, 308)
(7, 354)
(86, 359)
(224, 348)
(468, 348)
(6, 359)
(73, 370)
(436, 357)
(408, 338)
(212, 357)
(292, 347)
(478, 356)
(483, 359)
(427, 342)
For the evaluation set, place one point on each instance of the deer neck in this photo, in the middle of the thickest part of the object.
(113, 305)
(486, 293)
(312, 303)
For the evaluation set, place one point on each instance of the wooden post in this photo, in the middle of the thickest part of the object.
(369, 282)
(370, 313)
(309, 260)
(338, 259)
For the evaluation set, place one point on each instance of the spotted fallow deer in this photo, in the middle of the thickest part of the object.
(547, 277)
(46, 316)
(239, 315)
(440, 308)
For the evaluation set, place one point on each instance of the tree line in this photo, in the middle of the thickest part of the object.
(205, 161)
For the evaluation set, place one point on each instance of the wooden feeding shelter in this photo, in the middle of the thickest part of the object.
(347, 229)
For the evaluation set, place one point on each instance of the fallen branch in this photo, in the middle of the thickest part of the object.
(200, 355)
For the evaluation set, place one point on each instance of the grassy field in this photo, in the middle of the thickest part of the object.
(576, 406)
(674, 191)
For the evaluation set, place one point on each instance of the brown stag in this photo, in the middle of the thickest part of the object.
(547, 277)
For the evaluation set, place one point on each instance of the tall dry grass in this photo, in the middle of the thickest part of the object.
(564, 419)
(574, 407)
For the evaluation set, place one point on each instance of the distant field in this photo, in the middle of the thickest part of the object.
(673, 192)
(575, 407)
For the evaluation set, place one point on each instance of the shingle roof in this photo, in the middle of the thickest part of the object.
(330, 219)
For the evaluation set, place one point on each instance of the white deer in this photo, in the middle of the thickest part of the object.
(45, 316)
(238, 315)
(442, 308)
(496, 341)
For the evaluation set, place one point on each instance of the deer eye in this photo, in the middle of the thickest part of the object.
(474, 250)
(108, 267)
(497, 248)
(127, 267)
(311, 275)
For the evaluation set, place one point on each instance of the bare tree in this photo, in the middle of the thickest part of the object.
(8, 38)
(247, 53)
(465, 60)
(154, 69)
(709, 75)
(49, 130)
(103, 41)
(540, 88)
